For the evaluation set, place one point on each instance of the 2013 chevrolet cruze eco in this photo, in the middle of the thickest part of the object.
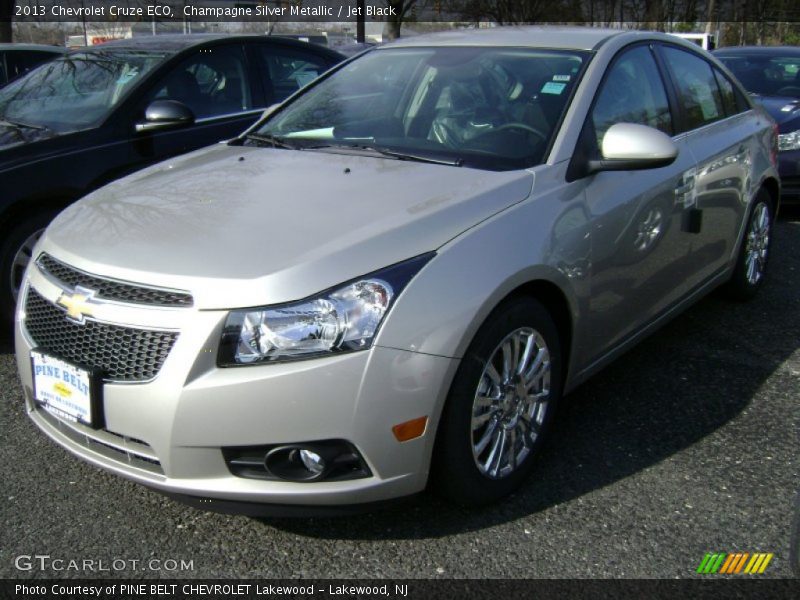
(393, 278)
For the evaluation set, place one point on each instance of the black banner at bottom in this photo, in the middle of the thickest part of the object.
(266, 589)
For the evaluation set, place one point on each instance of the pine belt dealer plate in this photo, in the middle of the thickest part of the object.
(66, 390)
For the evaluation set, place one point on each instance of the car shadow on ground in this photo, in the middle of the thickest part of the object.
(677, 387)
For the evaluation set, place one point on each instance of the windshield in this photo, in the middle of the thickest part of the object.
(766, 75)
(490, 108)
(75, 92)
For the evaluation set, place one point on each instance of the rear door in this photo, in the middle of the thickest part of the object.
(720, 130)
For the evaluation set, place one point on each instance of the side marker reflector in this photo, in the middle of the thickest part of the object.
(410, 429)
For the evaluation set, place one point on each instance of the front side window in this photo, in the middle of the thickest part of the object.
(632, 93)
(697, 88)
(492, 108)
(212, 82)
(77, 91)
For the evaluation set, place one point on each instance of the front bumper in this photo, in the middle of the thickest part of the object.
(168, 433)
(789, 171)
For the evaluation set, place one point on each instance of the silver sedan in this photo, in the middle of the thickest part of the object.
(391, 280)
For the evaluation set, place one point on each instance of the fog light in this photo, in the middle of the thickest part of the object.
(328, 460)
(312, 461)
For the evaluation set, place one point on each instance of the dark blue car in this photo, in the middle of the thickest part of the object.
(97, 114)
(772, 76)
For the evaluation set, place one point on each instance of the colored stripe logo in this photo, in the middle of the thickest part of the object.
(735, 563)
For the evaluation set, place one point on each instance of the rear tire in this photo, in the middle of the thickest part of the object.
(500, 405)
(751, 265)
(15, 254)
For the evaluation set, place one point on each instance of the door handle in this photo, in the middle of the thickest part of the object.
(682, 190)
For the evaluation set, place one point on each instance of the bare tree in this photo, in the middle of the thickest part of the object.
(401, 12)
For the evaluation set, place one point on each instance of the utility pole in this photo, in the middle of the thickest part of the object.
(360, 33)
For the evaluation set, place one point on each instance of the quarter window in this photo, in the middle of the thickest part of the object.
(728, 94)
(632, 93)
(697, 88)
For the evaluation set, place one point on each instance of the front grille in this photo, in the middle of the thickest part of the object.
(121, 353)
(110, 289)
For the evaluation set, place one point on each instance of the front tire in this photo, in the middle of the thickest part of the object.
(500, 405)
(751, 265)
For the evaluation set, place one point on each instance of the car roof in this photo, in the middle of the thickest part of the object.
(178, 42)
(33, 47)
(758, 50)
(567, 38)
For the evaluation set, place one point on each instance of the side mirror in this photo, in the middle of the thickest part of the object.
(165, 114)
(633, 147)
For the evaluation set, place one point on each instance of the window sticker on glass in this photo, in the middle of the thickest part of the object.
(305, 77)
(561, 77)
(551, 87)
(128, 74)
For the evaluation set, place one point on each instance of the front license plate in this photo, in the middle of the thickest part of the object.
(68, 391)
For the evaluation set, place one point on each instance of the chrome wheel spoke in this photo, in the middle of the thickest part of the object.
(530, 345)
(511, 452)
(487, 437)
(480, 420)
(508, 361)
(482, 401)
(492, 373)
(496, 455)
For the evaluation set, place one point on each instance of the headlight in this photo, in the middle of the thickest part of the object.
(789, 141)
(343, 319)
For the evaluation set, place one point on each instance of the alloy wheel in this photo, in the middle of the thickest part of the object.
(510, 403)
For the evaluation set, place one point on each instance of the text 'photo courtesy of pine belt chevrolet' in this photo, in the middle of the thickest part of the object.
(390, 280)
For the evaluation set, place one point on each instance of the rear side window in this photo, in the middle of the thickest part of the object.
(697, 88)
(632, 92)
(287, 70)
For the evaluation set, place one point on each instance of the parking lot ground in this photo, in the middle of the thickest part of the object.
(688, 444)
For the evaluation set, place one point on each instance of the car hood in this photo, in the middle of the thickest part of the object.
(785, 111)
(243, 226)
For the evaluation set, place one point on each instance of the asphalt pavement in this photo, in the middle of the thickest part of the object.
(688, 444)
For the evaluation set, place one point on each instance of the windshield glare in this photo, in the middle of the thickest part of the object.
(75, 92)
(491, 108)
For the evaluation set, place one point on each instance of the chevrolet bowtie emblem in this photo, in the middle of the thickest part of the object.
(78, 304)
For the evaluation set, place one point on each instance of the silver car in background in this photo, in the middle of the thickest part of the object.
(392, 279)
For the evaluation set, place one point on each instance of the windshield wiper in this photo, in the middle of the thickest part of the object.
(274, 141)
(26, 125)
(457, 162)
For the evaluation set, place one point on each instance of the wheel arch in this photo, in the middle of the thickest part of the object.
(556, 303)
(31, 207)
